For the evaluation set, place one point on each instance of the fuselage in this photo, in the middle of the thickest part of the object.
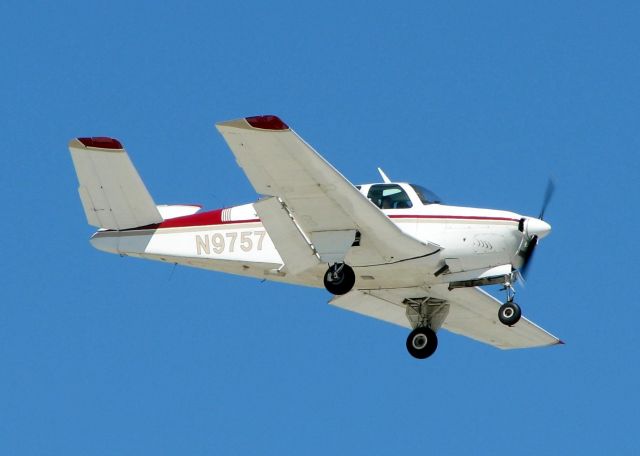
(473, 242)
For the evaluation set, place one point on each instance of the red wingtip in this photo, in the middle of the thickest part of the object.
(267, 123)
(101, 142)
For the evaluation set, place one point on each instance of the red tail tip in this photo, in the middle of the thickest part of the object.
(101, 142)
(267, 123)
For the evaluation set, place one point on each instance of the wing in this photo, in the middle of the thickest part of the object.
(471, 313)
(323, 204)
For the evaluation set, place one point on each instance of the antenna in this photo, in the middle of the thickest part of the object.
(385, 179)
(172, 271)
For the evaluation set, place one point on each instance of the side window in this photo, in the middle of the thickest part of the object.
(389, 196)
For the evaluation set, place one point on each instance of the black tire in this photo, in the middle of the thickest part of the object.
(341, 284)
(509, 313)
(422, 343)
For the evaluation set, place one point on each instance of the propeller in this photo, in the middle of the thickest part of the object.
(527, 253)
(551, 187)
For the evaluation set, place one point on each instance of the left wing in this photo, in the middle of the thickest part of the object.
(471, 313)
(326, 207)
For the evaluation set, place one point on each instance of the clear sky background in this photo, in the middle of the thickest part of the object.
(479, 101)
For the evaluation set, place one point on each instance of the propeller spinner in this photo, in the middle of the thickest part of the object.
(536, 229)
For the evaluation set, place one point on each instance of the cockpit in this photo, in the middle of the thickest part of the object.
(398, 196)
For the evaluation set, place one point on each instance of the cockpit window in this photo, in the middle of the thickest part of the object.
(426, 196)
(389, 196)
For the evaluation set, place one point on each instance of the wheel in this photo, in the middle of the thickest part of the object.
(422, 343)
(339, 279)
(509, 313)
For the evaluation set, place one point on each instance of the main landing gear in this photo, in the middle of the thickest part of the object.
(426, 315)
(422, 342)
(339, 279)
(509, 313)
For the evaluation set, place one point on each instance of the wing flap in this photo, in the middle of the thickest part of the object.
(293, 247)
(371, 306)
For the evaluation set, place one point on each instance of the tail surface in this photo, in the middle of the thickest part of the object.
(112, 193)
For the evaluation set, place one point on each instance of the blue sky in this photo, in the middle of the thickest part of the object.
(479, 101)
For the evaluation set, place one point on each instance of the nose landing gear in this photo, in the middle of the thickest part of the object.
(509, 313)
(339, 279)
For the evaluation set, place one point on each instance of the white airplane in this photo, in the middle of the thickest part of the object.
(389, 250)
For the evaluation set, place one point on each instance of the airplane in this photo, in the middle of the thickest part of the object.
(389, 250)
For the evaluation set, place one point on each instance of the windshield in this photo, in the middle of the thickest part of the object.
(426, 195)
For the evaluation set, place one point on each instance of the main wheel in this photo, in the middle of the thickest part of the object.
(422, 343)
(509, 313)
(339, 279)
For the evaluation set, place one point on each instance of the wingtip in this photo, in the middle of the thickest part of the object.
(97, 142)
(267, 122)
(264, 122)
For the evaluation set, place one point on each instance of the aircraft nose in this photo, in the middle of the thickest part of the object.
(537, 227)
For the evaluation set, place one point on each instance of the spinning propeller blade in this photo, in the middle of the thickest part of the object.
(551, 186)
(527, 255)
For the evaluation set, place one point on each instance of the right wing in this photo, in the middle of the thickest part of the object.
(112, 193)
(471, 313)
(325, 206)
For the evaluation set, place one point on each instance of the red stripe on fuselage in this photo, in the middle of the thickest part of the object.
(200, 219)
(215, 218)
(457, 217)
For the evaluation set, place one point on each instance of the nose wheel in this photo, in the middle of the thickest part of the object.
(339, 279)
(509, 313)
(422, 342)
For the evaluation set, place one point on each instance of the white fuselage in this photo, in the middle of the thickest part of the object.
(473, 242)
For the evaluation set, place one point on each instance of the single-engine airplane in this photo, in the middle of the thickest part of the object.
(391, 250)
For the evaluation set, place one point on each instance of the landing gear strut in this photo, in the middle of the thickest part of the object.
(509, 313)
(339, 279)
(422, 342)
